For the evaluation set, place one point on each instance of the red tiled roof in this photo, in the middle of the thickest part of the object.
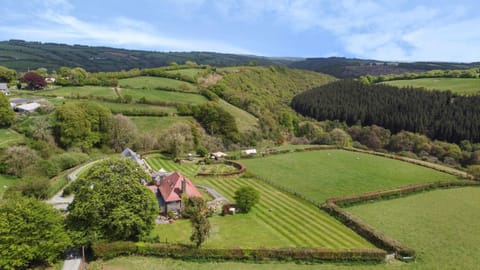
(171, 188)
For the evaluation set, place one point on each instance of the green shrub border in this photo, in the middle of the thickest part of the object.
(111, 250)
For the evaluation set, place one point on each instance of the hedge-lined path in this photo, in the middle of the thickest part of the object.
(300, 223)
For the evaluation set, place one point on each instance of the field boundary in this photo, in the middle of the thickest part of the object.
(239, 166)
(111, 250)
(333, 206)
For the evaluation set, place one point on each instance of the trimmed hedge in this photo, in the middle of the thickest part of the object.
(106, 250)
(240, 169)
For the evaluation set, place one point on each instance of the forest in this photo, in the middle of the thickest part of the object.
(439, 115)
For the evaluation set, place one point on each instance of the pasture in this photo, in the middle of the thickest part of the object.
(163, 96)
(136, 108)
(80, 91)
(441, 225)
(319, 175)
(5, 182)
(146, 82)
(463, 86)
(278, 220)
(9, 137)
(244, 120)
(151, 123)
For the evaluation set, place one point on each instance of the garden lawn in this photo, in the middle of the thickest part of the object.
(148, 82)
(9, 137)
(153, 95)
(5, 182)
(442, 226)
(81, 91)
(319, 175)
(464, 86)
(157, 124)
(278, 220)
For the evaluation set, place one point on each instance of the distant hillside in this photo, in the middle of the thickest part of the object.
(351, 67)
(22, 55)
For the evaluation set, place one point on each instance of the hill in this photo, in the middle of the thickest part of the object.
(462, 86)
(22, 55)
(351, 67)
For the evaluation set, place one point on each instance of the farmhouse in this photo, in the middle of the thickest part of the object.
(4, 89)
(171, 189)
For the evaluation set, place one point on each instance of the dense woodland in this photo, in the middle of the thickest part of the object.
(440, 115)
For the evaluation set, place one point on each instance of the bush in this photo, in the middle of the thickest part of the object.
(69, 160)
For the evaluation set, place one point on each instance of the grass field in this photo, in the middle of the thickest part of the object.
(464, 86)
(121, 107)
(319, 175)
(441, 225)
(156, 82)
(165, 96)
(278, 220)
(9, 137)
(5, 182)
(190, 72)
(244, 120)
(150, 123)
(82, 91)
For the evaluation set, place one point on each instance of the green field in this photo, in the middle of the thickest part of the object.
(244, 120)
(163, 96)
(5, 182)
(278, 220)
(156, 82)
(464, 86)
(330, 173)
(9, 137)
(82, 91)
(442, 226)
(122, 107)
(150, 123)
(190, 72)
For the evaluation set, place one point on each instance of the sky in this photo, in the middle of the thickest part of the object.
(390, 30)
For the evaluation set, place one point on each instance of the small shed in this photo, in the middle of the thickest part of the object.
(218, 155)
(249, 152)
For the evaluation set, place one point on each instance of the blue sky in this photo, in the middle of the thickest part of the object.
(385, 30)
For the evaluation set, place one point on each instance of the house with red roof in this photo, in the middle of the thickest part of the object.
(171, 189)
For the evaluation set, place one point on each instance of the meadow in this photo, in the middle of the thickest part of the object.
(244, 120)
(150, 123)
(319, 175)
(441, 225)
(9, 137)
(278, 220)
(163, 96)
(80, 91)
(136, 108)
(156, 82)
(464, 86)
(5, 182)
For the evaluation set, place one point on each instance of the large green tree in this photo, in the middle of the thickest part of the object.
(196, 210)
(122, 132)
(7, 115)
(111, 203)
(246, 197)
(7, 75)
(30, 232)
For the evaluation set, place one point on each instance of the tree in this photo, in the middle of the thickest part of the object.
(30, 232)
(7, 75)
(7, 115)
(246, 197)
(122, 132)
(111, 203)
(474, 170)
(33, 81)
(18, 158)
(196, 210)
(178, 139)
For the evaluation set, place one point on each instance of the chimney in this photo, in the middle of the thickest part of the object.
(184, 186)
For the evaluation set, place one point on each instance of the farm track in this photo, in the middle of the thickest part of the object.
(299, 222)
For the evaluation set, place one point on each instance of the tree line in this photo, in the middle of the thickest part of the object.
(439, 115)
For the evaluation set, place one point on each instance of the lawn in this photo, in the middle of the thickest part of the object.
(163, 96)
(151, 123)
(156, 82)
(9, 137)
(244, 120)
(319, 175)
(217, 168)
(5, 182)
(82, 91)
(442, 226)
(464, 86)
(278, 220)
